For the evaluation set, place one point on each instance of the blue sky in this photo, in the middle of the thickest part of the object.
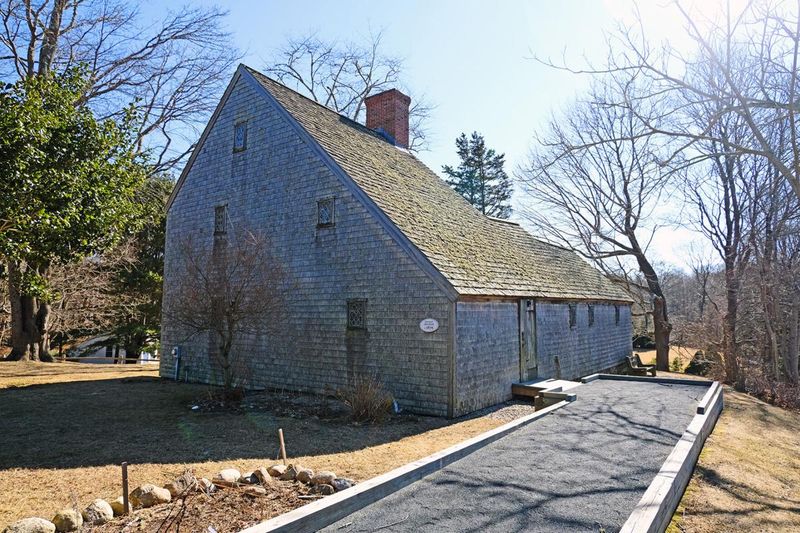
(473, 59)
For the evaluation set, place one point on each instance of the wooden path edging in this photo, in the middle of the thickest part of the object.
(649, 379)
(330, 509)
(655, 509)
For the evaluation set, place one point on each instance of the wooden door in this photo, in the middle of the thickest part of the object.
(527, 340)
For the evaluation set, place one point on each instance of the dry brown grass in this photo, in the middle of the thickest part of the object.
(66, 427)
(680, 353)
(748, 475)
(24, 373)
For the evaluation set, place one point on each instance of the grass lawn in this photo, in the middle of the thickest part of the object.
(748, 475)
(67, 426)
(682, 354)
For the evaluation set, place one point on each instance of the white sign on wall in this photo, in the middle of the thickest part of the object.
(429, 325)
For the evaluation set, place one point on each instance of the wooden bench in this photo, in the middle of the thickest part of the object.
(636, 368)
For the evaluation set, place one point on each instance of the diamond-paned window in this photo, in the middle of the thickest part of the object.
(239, 136)
(325, 212)
(357, 314)
(220, 220)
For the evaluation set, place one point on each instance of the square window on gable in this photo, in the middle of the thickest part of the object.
(357, 314)
(325, 212)
(240, 136)
(220, 220)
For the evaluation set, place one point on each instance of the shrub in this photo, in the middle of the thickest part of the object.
(777, 392)
(367, 399)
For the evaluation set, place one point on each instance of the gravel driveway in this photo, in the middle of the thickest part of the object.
(582, 468)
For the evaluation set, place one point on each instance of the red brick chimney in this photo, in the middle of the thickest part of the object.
(387, 112)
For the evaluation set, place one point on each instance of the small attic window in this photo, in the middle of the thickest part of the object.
(573, 315)
(591, 314)
(325, 212)
(221, 220)
(240, 136)
(357, 314)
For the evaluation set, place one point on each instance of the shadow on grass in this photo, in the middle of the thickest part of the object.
(146, 420)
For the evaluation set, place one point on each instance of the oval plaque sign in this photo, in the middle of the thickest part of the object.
(429, 325)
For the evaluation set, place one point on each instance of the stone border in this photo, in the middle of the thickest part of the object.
(656, 507)
(330, 509)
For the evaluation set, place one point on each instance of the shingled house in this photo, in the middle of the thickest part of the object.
(394, 274)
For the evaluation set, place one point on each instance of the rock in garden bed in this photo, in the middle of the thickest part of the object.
(118, 505)
(98, 512)
(31, 525)
(229, 476)
(149, 495)
(67, 520)
(276, 470)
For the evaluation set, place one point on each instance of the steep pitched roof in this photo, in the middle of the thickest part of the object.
(477, 254)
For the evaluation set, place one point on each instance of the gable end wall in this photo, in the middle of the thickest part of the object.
(272, 188)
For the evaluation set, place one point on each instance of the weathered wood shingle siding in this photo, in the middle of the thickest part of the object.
(272, 187)
(583, 349)
(487, 353)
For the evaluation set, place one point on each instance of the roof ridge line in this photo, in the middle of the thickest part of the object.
(318, 104)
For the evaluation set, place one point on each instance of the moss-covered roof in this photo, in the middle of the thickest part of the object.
(477, 254)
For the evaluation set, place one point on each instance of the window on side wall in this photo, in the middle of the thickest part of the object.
(220, 220)
(357, 314)
(616, 315)
(240, 136)
(573, 315)
(325, 212)
(590, 308)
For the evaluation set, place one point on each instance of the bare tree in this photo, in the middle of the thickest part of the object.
(726, 112)
(339, 75)
(594, 185)
(230, 290)
(86, 300)
(746, 64)
(172, 71)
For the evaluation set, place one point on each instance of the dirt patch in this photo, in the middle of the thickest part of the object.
(67, 426)
(226, 509)
(748, 474)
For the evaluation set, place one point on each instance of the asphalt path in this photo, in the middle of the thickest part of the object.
(581, 468)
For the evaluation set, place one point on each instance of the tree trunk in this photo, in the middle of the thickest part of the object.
(729, 346)
(661, 324)
(50, 37)
(133, 348)
(662, 331)
(792, 359)
(29, 322)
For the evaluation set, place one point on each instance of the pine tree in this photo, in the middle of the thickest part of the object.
(480, 177)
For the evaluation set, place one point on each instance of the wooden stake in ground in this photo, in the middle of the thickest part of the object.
(283, 446)
(124, 488)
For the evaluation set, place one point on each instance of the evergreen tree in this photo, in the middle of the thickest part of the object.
(480, 177)
(67, 192)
